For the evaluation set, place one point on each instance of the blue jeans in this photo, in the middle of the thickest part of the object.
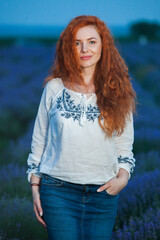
(76, 211)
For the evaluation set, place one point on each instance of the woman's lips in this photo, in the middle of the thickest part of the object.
(85, 57)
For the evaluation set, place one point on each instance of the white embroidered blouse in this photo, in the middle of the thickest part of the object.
(68, 142)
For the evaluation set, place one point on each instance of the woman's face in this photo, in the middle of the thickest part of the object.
(89, 46)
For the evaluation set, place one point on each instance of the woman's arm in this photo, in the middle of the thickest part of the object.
(126, 161)
(39, 136)
(124, 146)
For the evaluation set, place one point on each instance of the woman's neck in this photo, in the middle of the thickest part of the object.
(88, 74)
(89, 87)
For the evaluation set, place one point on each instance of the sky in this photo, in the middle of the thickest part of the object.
(60, 12)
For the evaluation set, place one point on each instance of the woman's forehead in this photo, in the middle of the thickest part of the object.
(88, 31)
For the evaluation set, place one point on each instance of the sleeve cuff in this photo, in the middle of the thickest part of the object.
(127, 163)
(35, 173)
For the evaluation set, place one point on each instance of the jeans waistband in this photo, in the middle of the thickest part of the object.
(46, 176)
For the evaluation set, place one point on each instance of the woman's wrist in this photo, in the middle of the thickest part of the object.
(123, 175)
(35, 179)
(35, 183)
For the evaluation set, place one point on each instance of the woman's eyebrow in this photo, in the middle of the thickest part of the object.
(87, 39)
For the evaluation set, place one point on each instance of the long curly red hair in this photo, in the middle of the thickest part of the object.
(113, 88)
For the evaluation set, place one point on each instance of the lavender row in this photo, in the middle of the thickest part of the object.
(18, 221)
(146, 227)
(141, 193)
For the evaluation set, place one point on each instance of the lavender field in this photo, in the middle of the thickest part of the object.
(22, 71)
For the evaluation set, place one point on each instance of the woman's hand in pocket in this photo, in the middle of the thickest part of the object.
(115, 185)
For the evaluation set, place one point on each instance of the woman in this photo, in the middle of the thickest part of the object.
(82, 141)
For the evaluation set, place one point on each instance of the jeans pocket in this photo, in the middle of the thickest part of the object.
(110, 194)
(51, 181)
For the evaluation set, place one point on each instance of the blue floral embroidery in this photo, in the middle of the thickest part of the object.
(32, 166)
(69, 110)
(130, 161)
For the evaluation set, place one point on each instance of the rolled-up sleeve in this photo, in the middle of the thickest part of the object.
(124, 147)
(39, 136)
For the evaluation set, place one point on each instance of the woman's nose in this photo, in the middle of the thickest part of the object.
(84, 47)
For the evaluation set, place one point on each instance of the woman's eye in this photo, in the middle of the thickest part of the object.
(92, 42)
(77, 43)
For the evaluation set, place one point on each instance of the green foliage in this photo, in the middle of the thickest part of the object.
(16, 187)
(142, 145)
(147, 162)
(13, 153)
(3, 144)
(150, 30)
(11, 41)
(10, 126)
(7, 42)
